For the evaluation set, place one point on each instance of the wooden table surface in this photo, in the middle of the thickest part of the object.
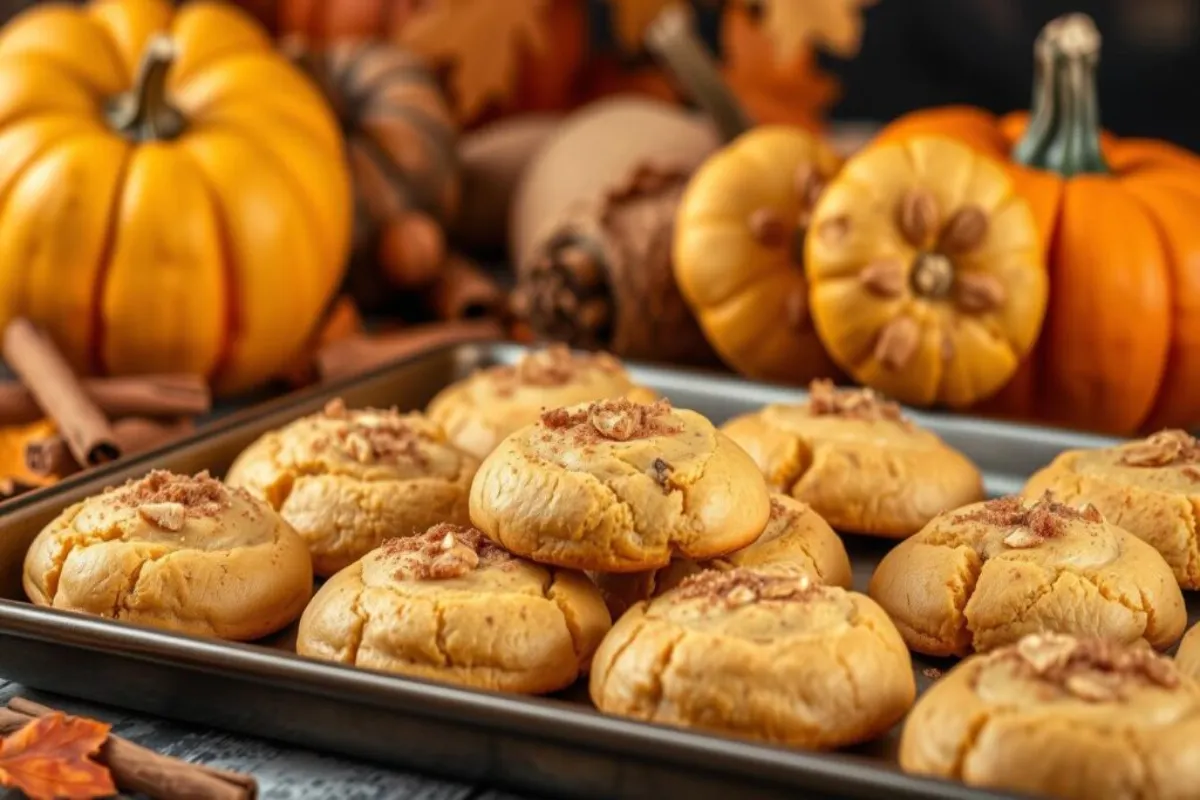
(283, 773)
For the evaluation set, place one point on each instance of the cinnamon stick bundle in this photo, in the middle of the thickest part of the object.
(360, 354)
(52, 456)
(138, 769)
(179, 395)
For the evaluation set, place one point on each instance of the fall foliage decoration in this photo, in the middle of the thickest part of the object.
(1117, 219)
(400, 139)
(738, 252)
(793, 25)
(177, 199)
(50, 758)
(926, 273)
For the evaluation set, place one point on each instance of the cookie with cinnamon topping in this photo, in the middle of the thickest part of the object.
(857, 460)
(348, 479)
(619, 486)
(987, 574)
(1059, 716)
(450, 605)
(766, 654)
(1150, 487)
(479, 411)
(182, 553)
(795, 538)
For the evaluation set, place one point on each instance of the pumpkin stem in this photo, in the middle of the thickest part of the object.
(1064, 124)
(672, 38)
(144, 113)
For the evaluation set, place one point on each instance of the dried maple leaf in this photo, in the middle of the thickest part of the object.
(481, 41)
(49, 758)
(632, 17)
(835, 25)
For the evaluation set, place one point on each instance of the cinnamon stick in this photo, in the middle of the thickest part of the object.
(464, 291)
(52, 456)
(138, 769)
(360, 354)
(42, 368)
(179, 395)
(341, 322)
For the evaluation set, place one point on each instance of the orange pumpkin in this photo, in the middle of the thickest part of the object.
(173, 195)
(1120, 348)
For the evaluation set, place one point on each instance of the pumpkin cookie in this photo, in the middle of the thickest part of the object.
(990, 573)
(857, 460)
(1151, 488)
(795, 538)
(767, 654)
(347, 480)
(450, 605)
(618, 486)
(1061, 717)
(182, 553)
(479, 411)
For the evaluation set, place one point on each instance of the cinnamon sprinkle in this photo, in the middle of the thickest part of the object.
(444, 551)
(1033, 523)
(739, 587)
(618, 420)
(199, 494)
(554, 366)
(1162, 449)
(1094, 670)
(374, 435)
(825, 399)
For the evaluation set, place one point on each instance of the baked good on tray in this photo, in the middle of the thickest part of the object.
(1188, 654)
(1078, 719)
(450, 605)
(857, 460)
(619, 486)
(184, 553)
(479, 411)
(1149, 487)
(987, 574)
(767, 654)
(346, 480)
(795, 538)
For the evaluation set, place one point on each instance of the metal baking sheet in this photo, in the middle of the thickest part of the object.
(557, 746)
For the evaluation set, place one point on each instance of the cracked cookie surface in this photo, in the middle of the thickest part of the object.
(1150, 487)
(766, 654)
(1063, 717)
(618, 486)
(450, 605)
(857, 461)
(481, 410)
(346, 480)
(987, 574)
(182, 553)
(795, 538)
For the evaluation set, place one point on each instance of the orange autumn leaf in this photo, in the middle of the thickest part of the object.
(49, 758)
(793, 25)
(481, 41)
(632, 17)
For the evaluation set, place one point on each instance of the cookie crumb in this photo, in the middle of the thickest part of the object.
(1092, 670)
(619, 420)
(444, 551)
(1165, 448)
(554, 366)
(740, 587)
(825, 399)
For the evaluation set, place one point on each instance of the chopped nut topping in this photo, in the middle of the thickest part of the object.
(1033, 523)
(372, 436)
(740, 587)
(554, 366)
(1022, 538)
(198, 495)
(824, 399)
(168, 516)
(444, 551)
(1093, 670)
(1165, 448)
(615, 420)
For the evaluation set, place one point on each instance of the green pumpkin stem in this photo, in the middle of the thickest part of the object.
(1064, 124)
(144, 113)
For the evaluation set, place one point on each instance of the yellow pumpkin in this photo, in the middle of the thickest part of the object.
(738, 251)
(926, 272)
(173, 194)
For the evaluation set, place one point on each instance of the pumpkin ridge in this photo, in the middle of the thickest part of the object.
(96, 339)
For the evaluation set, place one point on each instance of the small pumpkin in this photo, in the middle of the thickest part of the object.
(738, 252)
(926, 274)
(174, 192)
(400, 141)
(1117, 219)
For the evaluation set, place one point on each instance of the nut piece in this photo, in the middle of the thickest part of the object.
(1090, 688)
(1022, 539)
(612, 423)
(898, 342)
(1046, 652)
(977, 293)
(884, 278)
(740, 596)
(965, 231)
(917, 217)
(168, 516)
(768, 228)
(359, 447)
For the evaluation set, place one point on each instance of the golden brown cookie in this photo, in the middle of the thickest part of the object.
(795, 538)
(767, 654)
(347, 480)
(1150, 487)
(618, 486)
(1057, 716)
(860, 464)
(988, 574)
(182, 553)
(480, 411)
(452, 606)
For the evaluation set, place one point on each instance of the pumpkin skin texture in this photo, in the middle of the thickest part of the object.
(926, 274)
(206, 236)
(738, 252)
(1120, 349)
